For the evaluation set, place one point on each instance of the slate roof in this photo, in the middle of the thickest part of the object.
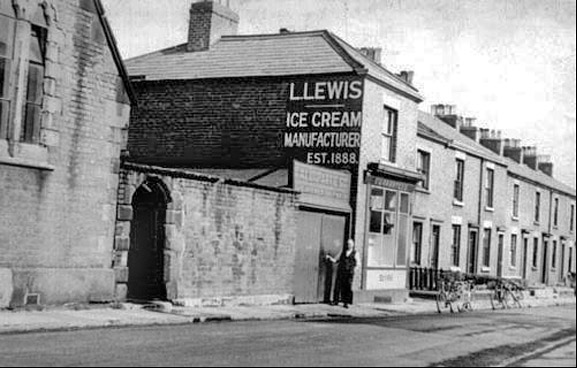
(283, 54)
(429, 123)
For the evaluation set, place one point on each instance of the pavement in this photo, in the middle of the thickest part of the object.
(75, 317)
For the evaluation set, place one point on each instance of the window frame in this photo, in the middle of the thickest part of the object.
(459, 184)
(556, 212)
(389, 132)
(572, 218)
(417, 252)
(490, 188)
(422, 157)
(5, 88)
(537, 207)
(516, 199)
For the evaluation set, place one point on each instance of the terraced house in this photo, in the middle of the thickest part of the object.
(489, 205)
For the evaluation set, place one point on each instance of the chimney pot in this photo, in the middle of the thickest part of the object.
(372, 53)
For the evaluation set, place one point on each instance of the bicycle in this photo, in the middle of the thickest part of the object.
(455, 294)
(505, 294)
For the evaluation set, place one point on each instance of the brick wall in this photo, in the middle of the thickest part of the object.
(58, 198)
(223, 239)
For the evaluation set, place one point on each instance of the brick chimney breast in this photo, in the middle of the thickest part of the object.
(209, 21)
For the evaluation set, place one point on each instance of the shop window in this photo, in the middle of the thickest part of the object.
(424, 167)
(388, 228)
(456, 245)
(516, 192)
(490, 188)
(513, 251)
(535, 253)
(389, 136)
(6, 55)
(417, 243)
(34, 91)
(459, 180)
(487, 248)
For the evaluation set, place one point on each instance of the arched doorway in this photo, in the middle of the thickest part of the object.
(146, 279)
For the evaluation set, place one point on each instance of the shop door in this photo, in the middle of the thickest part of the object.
(472, 258)
(319, 235)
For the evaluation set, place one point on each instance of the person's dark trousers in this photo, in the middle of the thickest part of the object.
(344, 288)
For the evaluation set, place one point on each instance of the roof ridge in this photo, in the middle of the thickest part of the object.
(273, 35)
(142, 56)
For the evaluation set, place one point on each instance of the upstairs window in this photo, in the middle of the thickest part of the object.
(556, 213)
(6, 56)
(35, 86)
(516, 193)
(424, 167)
(572, 218)
(490, 188)
(459, 180)
(537, 207)
(389, 136)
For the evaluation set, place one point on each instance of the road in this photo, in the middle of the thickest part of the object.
(478, 339)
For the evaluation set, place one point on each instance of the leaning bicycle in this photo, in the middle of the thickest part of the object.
(455, 294)
(506, 294)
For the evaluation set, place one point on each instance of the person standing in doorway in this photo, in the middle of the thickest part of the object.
(347, 263)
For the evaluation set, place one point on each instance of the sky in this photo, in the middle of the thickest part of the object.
(509, 63)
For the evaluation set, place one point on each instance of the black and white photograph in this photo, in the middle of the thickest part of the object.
(288, 183)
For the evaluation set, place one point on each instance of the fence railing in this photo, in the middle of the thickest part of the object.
(425, 278)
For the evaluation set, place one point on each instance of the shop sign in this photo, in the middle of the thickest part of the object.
(391, 184)
(323, 121)
(321, 186)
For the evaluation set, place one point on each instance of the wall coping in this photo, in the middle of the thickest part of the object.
(191, 174)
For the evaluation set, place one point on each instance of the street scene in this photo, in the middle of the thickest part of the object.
(288, 183)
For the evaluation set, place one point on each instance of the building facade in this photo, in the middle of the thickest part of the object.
(64, 112)
(489, 206)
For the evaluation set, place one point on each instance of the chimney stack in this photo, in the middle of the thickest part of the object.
(492, 140)
(448, 114)
(209, 21)
(530, 157)
(545, 165)
(373, 53)
(470, 130)
(407, 76)
(513, 150)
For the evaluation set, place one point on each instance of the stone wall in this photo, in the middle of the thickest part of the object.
(224, 239)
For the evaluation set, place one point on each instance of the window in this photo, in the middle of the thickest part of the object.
(388, 228)
(6, 56)
(572, 218)
(487, 248)
(535, 252)
(424, 167)
(34, 92)
(417, 242)
(490, 187)
(537, 207)
(556, 213)
(513, 251)
(554, 255)
(516, 193)
(456, 245)
(459, 180)
(389, 136)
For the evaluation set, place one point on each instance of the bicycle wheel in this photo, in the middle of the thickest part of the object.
(466, 304)
(443, 302)
(516, 297)
(498, 299)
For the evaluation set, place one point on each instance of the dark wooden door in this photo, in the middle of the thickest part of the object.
(500, 251)
(472, 258)
(544, 269)
(525, 255)
(436, 243)
(146, 255)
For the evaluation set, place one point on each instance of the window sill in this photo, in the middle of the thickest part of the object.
(536, 223)
(512, 268)
(422, 190)
(489, 209)
(515, 218)
(534, 269)
(485, 269)
(27, 155)
(458, 203)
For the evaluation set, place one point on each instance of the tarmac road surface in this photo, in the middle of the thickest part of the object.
(471, 339)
